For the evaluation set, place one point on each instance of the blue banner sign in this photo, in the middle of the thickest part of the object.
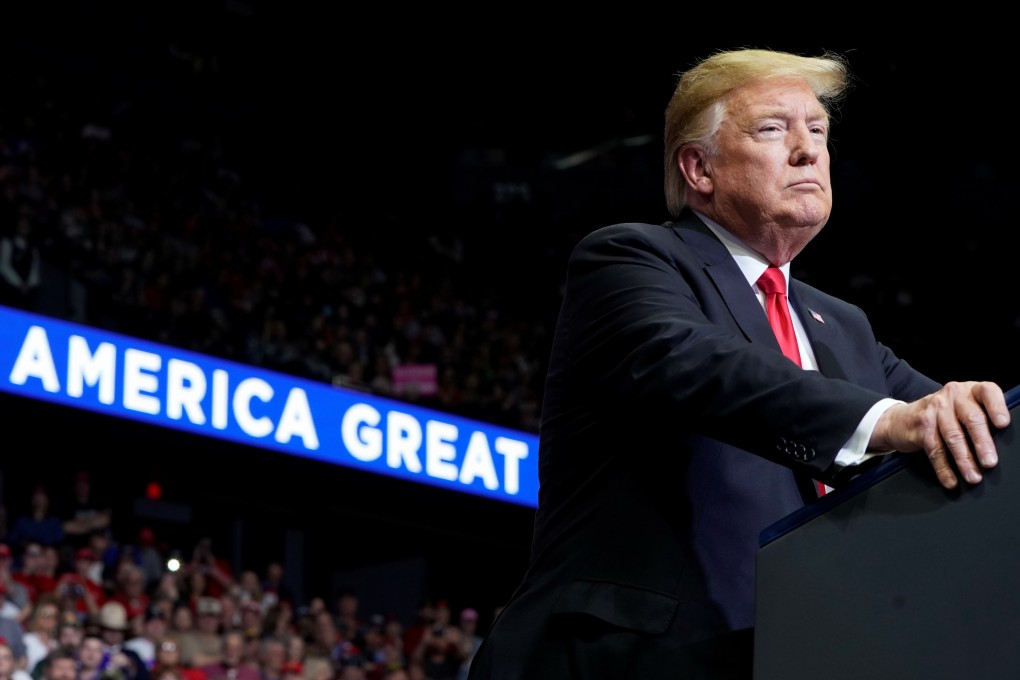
(82, 367)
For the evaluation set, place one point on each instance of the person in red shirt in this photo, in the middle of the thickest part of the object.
(36, 572)
(76, 586)
(219, 576)
(130, 591)
(168, 658)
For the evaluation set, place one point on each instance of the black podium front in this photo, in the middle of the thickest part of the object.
(895, 577)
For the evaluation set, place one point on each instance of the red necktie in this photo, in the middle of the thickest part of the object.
(773, 284)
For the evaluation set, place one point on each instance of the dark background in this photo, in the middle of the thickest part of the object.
(398, 123)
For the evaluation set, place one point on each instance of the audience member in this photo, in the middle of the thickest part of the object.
(20, 264)
(319, 668)
(154, 628)
(292, 670)
(170, 674)
(60, 664)
(348, 619)
(10, 668)
(252, 620)
(168, 657)
(391, 648)
(324, 638)
(168, 591)
(230, 609)
(273, 657)
(77, 589)
(249, 588)
(202, 645)
(85, 513)
(38, 525)
(414, 633)
(469, 640)
(41, 630)
(34, 573)
(16, 602)
(70, 630)
(440, 652)
(106, 551)
(130, 590)
(113, 627)
(216, 570)
(295, 647)
(150, 559)
(13, 636)
(183, 619)
(230, 666)
(279, 619)
(92, 659)
(274, 587)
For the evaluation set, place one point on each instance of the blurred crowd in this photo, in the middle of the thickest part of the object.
(79, 602)
(111, 217)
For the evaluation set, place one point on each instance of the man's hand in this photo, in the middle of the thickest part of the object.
(951, 426)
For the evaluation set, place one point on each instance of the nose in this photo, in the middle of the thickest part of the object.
(804, 146)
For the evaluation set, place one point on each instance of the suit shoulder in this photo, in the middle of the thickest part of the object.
(627, 232)
(813, 296)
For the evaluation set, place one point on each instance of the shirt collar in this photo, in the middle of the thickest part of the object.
(751, 264)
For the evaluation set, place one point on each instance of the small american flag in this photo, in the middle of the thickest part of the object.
(816, 316)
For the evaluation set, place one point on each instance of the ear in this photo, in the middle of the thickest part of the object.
(692, 162)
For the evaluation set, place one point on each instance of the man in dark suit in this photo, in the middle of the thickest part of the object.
(674, 428)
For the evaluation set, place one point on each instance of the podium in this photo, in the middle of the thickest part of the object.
(895, 577)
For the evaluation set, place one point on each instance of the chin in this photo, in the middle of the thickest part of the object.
(810, 218)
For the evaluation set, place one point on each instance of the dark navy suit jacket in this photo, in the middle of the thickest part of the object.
(673, 432)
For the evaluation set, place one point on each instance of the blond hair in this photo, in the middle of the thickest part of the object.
(697, 106)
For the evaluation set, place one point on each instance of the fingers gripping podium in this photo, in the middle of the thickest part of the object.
(895, 577)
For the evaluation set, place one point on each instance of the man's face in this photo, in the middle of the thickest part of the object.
(91, 652)
(771, 170)
(233, 649)
(70, 635)
(63, 669)
(112, 636)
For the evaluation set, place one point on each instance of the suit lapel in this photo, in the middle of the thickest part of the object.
(818, 331)
(729, 281)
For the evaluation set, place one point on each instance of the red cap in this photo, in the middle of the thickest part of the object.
(5, 551)
(85, 554)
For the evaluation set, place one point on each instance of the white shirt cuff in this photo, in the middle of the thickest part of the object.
(855, 451)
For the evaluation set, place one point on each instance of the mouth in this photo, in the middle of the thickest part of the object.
(806, 184)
